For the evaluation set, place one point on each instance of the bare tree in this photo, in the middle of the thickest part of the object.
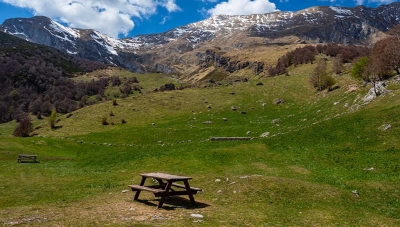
(319, 78)
(338, 64)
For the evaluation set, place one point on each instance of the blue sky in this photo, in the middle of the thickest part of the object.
(126, 18)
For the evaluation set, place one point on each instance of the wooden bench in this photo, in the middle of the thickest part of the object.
(27, 158)
(156, 190)
(193, 189)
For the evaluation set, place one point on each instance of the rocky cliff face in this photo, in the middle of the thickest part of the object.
(178, 50)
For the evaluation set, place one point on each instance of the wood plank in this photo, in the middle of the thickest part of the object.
(165, 176)
(144, 188)
(183, 186)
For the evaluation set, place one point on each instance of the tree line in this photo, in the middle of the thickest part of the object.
(37, 79)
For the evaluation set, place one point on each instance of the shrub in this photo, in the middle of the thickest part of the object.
(104, 121)
(358, 68)
(115, 102)
(24, 128)
(123, 121)
(53, 119)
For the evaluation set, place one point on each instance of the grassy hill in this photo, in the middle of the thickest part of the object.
(325, 162)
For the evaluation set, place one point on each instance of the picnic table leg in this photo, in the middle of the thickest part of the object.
(138, 191)
(165, 194)
(189, 191)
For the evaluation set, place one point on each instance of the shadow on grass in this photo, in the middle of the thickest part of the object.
(172, 203)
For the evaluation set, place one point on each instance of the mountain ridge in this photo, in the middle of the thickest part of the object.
(174, 52)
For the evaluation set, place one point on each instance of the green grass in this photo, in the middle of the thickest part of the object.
(303, 174)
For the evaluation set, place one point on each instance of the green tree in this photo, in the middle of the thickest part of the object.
(359, 67)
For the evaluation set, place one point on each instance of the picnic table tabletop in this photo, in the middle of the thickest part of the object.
(165, 176)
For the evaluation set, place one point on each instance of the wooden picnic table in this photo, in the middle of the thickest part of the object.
(27, 157)
(167, 188)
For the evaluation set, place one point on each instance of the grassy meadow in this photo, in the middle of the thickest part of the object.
(325, 162)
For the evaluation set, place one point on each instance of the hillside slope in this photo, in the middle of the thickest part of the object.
(316, 159)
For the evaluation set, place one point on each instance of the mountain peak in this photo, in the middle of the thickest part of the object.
(359, 25)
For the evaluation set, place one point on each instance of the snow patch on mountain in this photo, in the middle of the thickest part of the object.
(107, 42)
(62, 29)
(341, 10)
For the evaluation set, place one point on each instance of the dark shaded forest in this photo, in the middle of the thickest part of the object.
(36, 79)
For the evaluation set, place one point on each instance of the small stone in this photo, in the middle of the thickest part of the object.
(124, 191)
(196, 216)
(276, 121)
(279, 101)
(217, 180)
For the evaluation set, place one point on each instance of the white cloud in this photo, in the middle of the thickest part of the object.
(243, 7)
(112, 17)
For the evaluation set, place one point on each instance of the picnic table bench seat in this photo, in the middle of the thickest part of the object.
(193, 189)
(156, 190)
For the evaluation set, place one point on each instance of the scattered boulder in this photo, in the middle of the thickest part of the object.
(233, 108)
(196, 216)
(259, 84)
(352, 88)
(207, 122)
(264, 135)
(385, 127)
(243, 112)
(379, 88)
(278, 101)
(276, 121)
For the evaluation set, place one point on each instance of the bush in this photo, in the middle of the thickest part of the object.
(24, 128)
(359, 67)
(104, 121)
(53, 119)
